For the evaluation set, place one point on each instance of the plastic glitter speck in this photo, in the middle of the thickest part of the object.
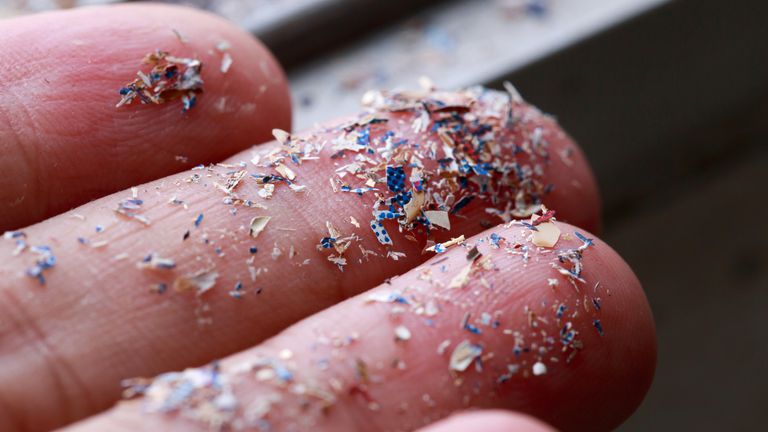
(258, 224)
(170, 78)
(381, 233)
(402, 333)
(464, 354)
(395, 178)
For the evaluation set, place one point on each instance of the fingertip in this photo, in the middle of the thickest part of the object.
(630, 352)
(61, 88)
(592, 385)
(614, 371)
(489, 421)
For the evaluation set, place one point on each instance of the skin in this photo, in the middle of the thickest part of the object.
(56, 341)
(62, 139)
(514, 285)
(489, 421)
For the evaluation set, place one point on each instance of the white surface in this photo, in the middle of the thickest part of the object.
(456, 45)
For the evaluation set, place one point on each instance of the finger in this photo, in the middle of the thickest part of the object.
(422, 347)
(62, 140)
(281, 275)
(489, 421)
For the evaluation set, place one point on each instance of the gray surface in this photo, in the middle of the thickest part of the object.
(702, 258)
(455, 44)
(295, 30)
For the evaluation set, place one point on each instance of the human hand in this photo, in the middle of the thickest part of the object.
(347, 363)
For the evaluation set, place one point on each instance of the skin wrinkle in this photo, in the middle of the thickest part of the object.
(69, 389)
(24, 164)
(305, 210)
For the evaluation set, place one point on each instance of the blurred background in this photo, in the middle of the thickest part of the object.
(669, 99)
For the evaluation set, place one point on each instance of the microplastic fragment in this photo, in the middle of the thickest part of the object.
(202, 394)
(45, 261)
(547, 215)
(473, 254)
(386, 214)
(431, 308)
(573, 257)
(276, 252)
(395, 178)
(547, 235)
(413, 207)
(539, 368)
(386, 297)
(266, 191)
(21, 246)
(472, 328)
(442, 247)
(170, 78)
(223, 45)
(463, 355)
(201, 281)
(237, 292)
(327, 242)
(587, 241)
(402, 333)
(226, 63)
(439, 218)
(560, 311)
(394, 255)
(298, 188)
(485, 318)
(285, 171)
(258, 224)
(598, 327)
(129, 207)
(443, 346)
(339, 261)
(381, 233)
(281, 136)
(462, 277)
(360, 191)
(512, 91)
(461, 203)
(10, 235)
(154, 261)
(233, 180)
(596, 303)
